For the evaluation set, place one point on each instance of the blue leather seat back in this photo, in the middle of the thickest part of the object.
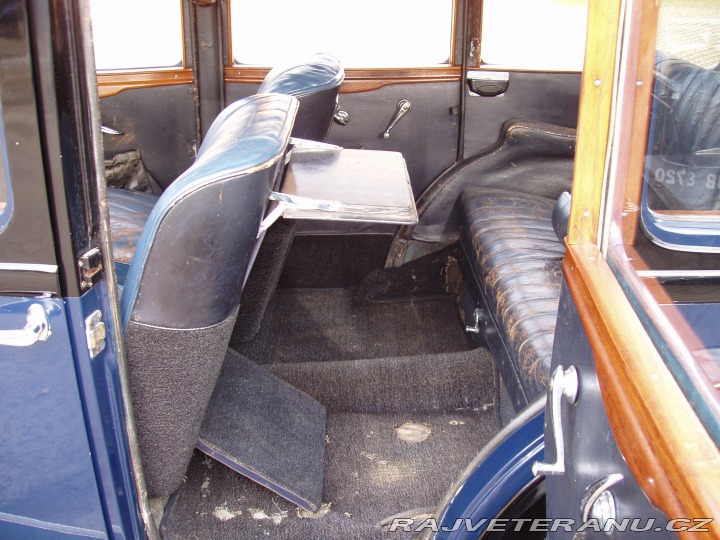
(315, 81)
(190, 261)
(182, 291)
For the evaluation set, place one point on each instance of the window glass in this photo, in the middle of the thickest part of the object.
(668, 260)
(5, 190)
(137, 34)
(371, 33)
(681, 192)
(534, 34)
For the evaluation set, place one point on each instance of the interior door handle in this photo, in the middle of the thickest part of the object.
(37, 328)
(403, 106)
(564, 383)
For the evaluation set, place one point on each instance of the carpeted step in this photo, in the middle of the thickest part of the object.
(266, 430)
(425, 383)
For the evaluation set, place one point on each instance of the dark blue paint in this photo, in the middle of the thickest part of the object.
(504, 472)
(48, 487)
(100, 389)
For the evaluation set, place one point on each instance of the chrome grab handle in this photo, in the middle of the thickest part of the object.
(564, 383)
(403, 106)
(37, 328)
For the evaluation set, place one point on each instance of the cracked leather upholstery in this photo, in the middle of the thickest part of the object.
(517, 259)
(529, 157)
(129, 211)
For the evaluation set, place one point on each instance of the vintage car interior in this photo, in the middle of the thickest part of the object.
(410, 346)
(344, 275)
(412, 337)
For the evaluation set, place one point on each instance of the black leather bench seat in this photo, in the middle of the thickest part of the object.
(516, 257)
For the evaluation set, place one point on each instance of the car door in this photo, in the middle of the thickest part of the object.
(65, 471)
(633, 415)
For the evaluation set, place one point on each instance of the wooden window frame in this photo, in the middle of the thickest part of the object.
(112, 82)
(650, 416)
(361, 79)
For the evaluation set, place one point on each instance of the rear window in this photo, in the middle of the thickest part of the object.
(137, 34)
(534, 34)
(371, 33)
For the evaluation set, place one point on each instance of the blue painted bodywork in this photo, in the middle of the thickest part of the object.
(493, 481)
(100, 390)
(48, 485)
(65, 471)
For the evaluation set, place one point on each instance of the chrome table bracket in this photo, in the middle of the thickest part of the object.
(305, 145)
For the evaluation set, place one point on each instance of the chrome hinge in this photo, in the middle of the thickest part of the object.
(95, 333)
(90, 265)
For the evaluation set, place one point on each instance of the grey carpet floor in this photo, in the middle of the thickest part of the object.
(425, 383)
(311, 325)
(370, 473)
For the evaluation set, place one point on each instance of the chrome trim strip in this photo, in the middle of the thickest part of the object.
(679, 274)
(27, 267)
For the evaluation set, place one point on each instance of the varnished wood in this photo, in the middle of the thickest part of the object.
(664, 443)
(356, 79)
(596, 94)
(639, 125)
(110, 84)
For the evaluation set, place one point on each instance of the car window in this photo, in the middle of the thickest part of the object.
(137, 34)
(5, 188)
(372, 33)
(670, 263)
(534, 34)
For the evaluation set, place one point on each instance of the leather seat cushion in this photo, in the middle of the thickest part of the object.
(129, 211)
(517, 258)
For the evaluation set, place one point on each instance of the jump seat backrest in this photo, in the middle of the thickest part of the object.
(182, 291)
(314, 81)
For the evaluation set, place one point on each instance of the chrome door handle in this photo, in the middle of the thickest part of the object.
(564, 383)
(37, 328)
(341, 117)
(403, 106)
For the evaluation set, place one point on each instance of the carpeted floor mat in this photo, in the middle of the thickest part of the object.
(427, 383)
(370, 474)
(310, 325)
(267, 430)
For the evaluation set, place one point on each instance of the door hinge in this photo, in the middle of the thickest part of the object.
(90, 265)
(95, 333)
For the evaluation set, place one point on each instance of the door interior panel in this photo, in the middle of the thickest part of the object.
(159, 121)
(545, 97)
(427, 135)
